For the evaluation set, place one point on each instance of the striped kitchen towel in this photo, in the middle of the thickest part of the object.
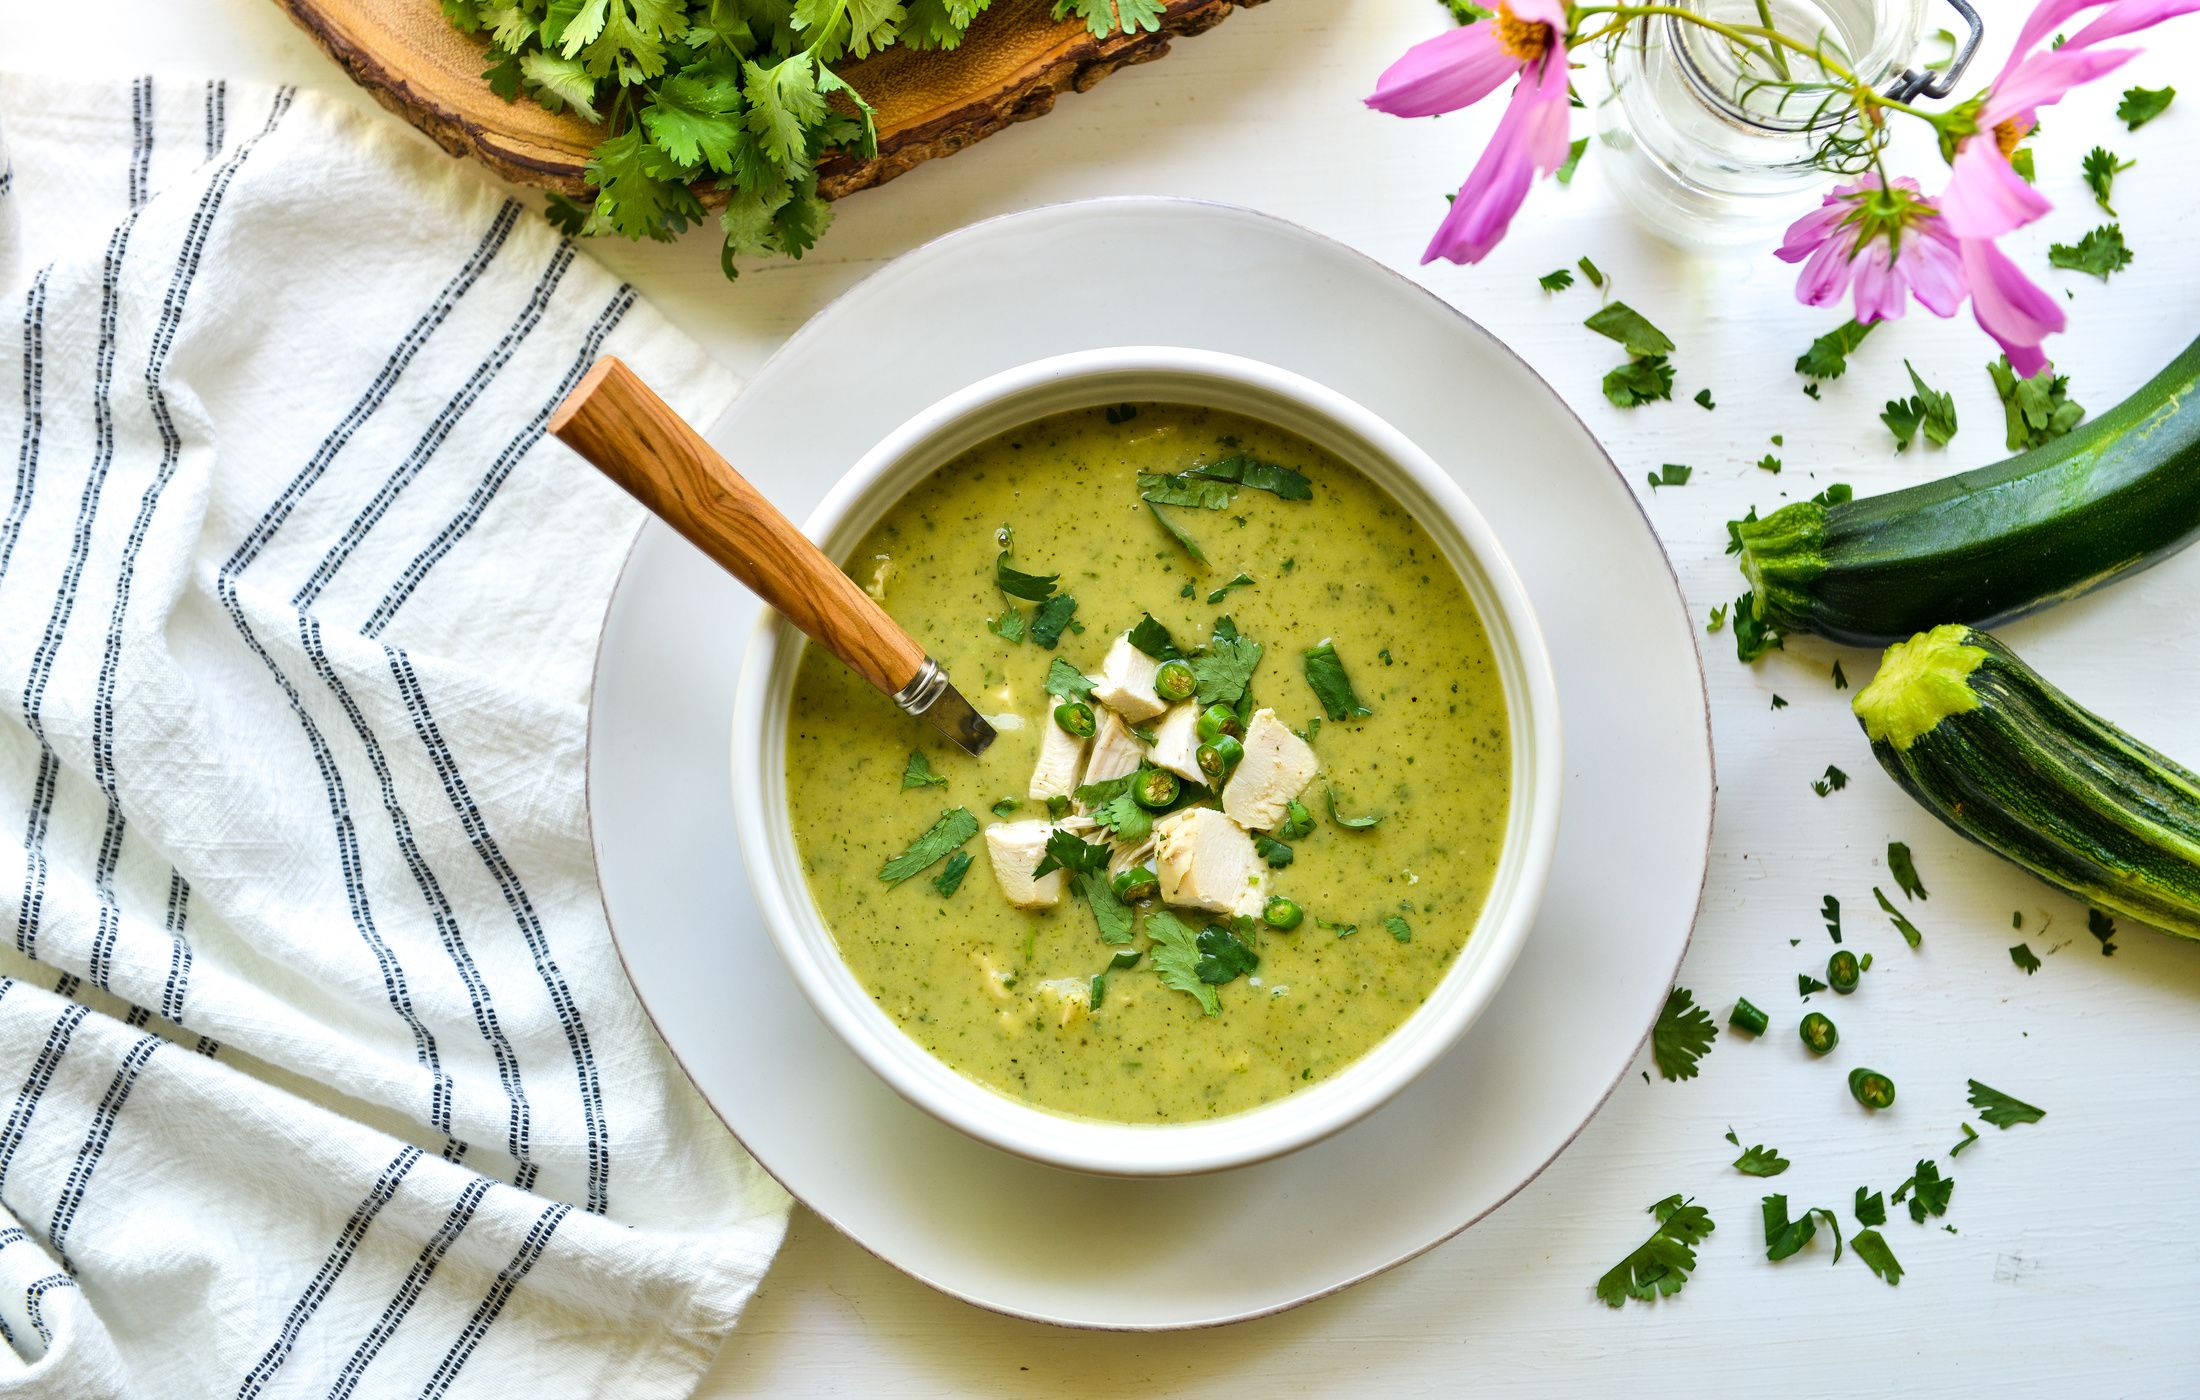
(318, 1072)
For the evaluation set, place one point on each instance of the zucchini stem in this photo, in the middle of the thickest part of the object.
(1920, 683)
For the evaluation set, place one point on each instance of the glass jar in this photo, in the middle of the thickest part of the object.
(1707, 151)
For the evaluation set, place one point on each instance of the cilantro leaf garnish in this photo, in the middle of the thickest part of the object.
(1066, 682)
(1094, 794)
(1716, 619)
(1108, 909)
(1753, 636)
(2101, 251)
(1828, 356)
(2025, 959)
(1006, 806)
(2101, 169)
(1184, 490)
(1124, 818)
(2001, 1110)
(1871, 1209)
(1621, 322)
(1682, 1036)
(2142, 105)
(1016, 584)
(1639, 382)
(1784, 1237)
(951, 875)
(1153, 639)
(1351, 823)
(917, 772)
(1325, 673)
(1760, 1161)
(1066, 850)
(2103, 928)
(1176, 532)
(1175, 954)
(1223, 956)
(1241, 470)
(1660, 1266)
(1399, 928)
(1276, 853)
(1908, 930)
(1871, 1247)
(1927, 409)
(1241, 581)
(1050, 618)
(1009, 626)
(1834, 781)
(1557, 281)
(1769, 463)
(1829, 909)
(1903, 867)
(1671, 474)
(954, 827)
(1225, 668)
(1928, 1192)
(2038, 409)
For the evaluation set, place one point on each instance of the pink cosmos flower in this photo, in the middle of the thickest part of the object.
(1465, 65)
(1886, 243)
(1987, 198)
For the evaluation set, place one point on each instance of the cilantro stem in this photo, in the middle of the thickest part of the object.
(1741, 34)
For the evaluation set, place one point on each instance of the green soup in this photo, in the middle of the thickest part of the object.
(1005, 994)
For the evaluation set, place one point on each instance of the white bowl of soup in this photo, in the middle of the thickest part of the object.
(1276, 782)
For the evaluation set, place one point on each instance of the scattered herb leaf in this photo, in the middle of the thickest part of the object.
(1682, 1036)
(2001, 1110)
(2101, 169)
(1590, 271)
(1904, 869)
(2100, 252)
(1176, 532)
(1872, 1209)
(1871, 1247)
(2142, 105)
(1760, 1161)
(1399, 929)
(1703, 397)
(1225, 668)
(2103, 928)
(1352, 823)
(1557, 281)
(917, 772)
(1621, 322)
(1066, 682)
(1834, 781)
(954, 827)
(1176, 957)
(1639, 382)
(1671, 474)
(1241, 470)
(2038, 409)
(1326, 674)
(1828, 356)
(1660, 1266)
(951, 875)
(2023, 956)
(1908, 930)
(1830, 910)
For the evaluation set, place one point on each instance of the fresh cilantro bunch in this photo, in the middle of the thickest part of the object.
(725, 101)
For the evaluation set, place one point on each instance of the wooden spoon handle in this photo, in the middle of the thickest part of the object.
(632, 436)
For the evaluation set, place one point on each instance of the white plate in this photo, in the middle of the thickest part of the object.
(1030, 1240)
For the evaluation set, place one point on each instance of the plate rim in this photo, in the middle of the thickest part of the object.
(814, 326)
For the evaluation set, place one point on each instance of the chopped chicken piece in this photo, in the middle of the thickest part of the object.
(884, 571)
(996, 980)
(1277, 766)
(1115, 750)
(1126, 682)
(1207, 861)
(1060, 753)
(1016, 848)
(1124, 856)
(1066, 999)
(1176, 743)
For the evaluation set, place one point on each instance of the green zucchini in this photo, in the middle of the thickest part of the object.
(2116, 494)
(1986, 744)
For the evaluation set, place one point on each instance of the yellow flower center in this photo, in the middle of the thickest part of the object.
(2008, 136)
(1525, 39)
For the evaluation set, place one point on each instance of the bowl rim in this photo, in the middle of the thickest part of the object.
(917, 448)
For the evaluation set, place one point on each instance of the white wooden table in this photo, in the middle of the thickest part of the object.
(2076, 1264)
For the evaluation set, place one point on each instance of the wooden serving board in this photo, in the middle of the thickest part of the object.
(1011, 66)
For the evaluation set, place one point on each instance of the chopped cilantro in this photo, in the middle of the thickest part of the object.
(1759, 1160)
(1057, 807)
(1785, 1237)
(2001, 1110)
(2025, 959)
(2100, 252)
(1343, 930)
(1176, 955)
(1836, 494)
(1904, 869)
(1830, 910)
(1223, 956)
(1276, 853)
(1928, 1191)
(917, 772)
(1703, 397)
(1565, 171)
(1811, 389)
(1353, 823)
(1557, 281)
(1153, 639)
(1326, 674)
(951, 875)
(1066, 850)
(1779, 701)
(1005, 807)
(1871, 1209)
(1908, 930)
(1093, 794)
(1050, 618)
(1640, 382)
(1805, 984)
(1108, 909)
(1828, 356)
(1176, 532)
(1671, 474)
(1716, 620)
(1297, 821)
(1225, 668)
(1241, 581)
(2038, 409)
(1682, 1035)
(1769, 463)
(2103, 928)
(1840, 678)
(1589, 270)
(954, 827)
(1834, 781)
(1928, 409)
(1009, 626)
(1036, 588)
(1128, 822)
(1970, 1135)
(1753, 636)
(1871, 1247)
(1399, 929)
(2101, 169)
(1659, 1268)
(2142, 105)
(1621, 322)
(1184, 490)
(1241, 470)
(1066, 682)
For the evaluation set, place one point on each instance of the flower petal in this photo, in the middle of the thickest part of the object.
(1986, 198)
(1881, 294)
(1824, 280)
(2008, 306)
(1550, 12)
(2128, 17)
(1453, 70)
(2043, 21)
(1530, 139)
(2041, 80)
(1808, 233)
(1934, 265)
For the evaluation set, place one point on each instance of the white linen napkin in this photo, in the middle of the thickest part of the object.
(318, 1071)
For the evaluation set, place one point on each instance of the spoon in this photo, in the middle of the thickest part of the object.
(620, 425)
